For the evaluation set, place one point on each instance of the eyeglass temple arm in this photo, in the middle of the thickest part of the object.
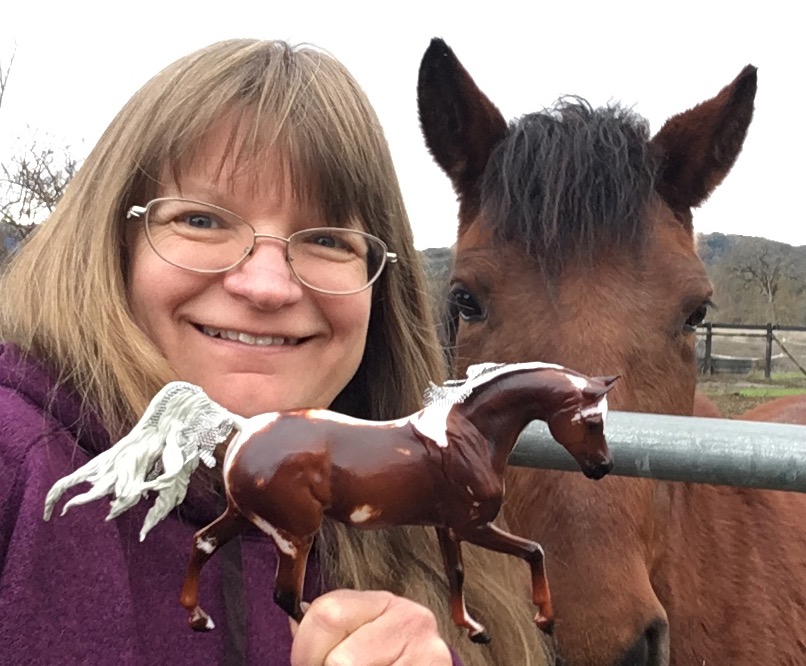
(135, 211)
(391, 257)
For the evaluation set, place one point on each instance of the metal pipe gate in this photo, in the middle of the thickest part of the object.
(685, 448)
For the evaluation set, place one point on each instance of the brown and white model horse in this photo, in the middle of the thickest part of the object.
(442, 466)
(284, 471)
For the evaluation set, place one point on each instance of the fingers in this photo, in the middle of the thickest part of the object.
(330, 620)
(367, 629)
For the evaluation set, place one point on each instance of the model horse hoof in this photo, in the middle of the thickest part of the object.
(545, 624)
(480, 637)
(200, 621)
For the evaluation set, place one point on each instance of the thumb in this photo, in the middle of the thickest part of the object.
(293, 624)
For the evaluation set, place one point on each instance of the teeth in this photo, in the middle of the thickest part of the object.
(245, 338)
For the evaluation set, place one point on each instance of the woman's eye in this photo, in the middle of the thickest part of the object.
(466, 304)
(697, 317)
(326, 241)
(200, 221)
(332, 242)
(335, 245)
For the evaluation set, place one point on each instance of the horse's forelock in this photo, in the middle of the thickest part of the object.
(569, 182)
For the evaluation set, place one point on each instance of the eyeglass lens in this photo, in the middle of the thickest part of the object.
(205, 238)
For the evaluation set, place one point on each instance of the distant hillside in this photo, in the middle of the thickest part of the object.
(714, 247)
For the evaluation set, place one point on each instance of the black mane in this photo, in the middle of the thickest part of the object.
(570, 182)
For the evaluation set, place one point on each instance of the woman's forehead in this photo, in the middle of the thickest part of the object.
(249, 188)
(213, 175)
(243, 158)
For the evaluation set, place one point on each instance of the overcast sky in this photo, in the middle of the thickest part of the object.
(77, 62)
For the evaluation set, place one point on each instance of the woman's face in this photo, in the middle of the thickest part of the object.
(308, 344)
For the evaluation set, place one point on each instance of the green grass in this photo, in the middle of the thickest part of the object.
(769, 391)
(787, 376)
(792, 379)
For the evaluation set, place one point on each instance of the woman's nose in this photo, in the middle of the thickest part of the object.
(265, 276)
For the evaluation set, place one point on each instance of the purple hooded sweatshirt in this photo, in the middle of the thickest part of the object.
(80, 590)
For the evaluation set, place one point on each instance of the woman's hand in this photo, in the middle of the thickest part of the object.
(367, 629)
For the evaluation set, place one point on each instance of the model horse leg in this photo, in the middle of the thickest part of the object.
(493, 538)
(205, 543)
(291, 577)
(455, 571)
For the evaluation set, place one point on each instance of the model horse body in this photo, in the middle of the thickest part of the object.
(575, 245)
(442, 466)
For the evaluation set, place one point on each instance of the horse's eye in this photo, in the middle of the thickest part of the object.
(467, 304)
(697, 317)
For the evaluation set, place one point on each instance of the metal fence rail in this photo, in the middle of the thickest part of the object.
(685, 448)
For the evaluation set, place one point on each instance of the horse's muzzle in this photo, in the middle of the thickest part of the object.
(598, 469)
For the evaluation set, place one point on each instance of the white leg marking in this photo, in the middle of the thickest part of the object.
(207, 545)
(283, 544)
(361, 514)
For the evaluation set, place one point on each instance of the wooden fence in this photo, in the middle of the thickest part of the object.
(766, 331)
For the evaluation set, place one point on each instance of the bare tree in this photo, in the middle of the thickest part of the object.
(764, 267)
(4, 72)
(32, 180)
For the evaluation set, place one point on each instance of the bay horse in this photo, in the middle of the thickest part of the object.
(575, 246)
(442, 466)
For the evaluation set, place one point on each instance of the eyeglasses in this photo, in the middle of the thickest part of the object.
(204, 238)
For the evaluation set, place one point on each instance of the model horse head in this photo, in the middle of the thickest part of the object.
(580, 428)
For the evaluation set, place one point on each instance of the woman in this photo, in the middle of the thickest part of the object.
(118, 293)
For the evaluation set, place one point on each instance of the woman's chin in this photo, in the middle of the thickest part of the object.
(249, 399)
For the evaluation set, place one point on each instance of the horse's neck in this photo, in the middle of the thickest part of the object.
(501, 409)
(721, 544)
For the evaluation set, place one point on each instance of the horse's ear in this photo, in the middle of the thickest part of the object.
(698, 147)
(594, 393)
(460, 124)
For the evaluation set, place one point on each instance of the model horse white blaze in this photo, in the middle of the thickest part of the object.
(442, 466)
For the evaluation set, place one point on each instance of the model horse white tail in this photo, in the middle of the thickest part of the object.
(180, 428)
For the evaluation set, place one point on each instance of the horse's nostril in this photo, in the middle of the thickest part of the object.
(598, 470)
(649, 649)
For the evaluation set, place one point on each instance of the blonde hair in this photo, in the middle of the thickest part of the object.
(64, 294)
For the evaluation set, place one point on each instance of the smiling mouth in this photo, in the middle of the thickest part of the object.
(247, 339)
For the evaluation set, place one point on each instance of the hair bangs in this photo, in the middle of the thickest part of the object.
(284, 108)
